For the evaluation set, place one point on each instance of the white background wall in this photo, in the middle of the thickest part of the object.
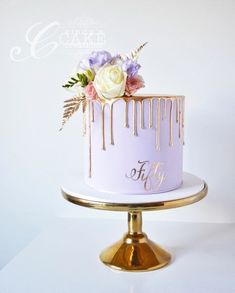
(191, 51)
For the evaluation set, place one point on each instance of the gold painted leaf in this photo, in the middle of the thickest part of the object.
(71, 106)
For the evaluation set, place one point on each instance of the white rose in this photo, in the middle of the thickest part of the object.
(110, 81)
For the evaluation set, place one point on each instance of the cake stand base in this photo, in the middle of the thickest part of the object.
(135, 252)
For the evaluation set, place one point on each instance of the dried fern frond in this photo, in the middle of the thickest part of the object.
(71, 106)
(135, 53)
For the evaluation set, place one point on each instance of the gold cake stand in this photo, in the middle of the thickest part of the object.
(135, 251)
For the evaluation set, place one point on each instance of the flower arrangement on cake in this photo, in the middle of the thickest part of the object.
(102, 76)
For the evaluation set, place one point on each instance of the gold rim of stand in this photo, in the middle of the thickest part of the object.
(148, 206)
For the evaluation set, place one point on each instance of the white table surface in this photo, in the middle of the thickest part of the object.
(64, 259)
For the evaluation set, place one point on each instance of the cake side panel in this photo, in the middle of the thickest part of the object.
(145, 157)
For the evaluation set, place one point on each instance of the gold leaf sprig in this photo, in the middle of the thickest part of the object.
(135, 53)
(71, 106)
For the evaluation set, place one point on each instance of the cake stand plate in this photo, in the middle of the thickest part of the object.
(135, 252)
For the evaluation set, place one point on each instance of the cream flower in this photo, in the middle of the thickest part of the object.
(110, 81)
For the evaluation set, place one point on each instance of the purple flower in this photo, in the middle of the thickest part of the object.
(99, 58)
(131, 67)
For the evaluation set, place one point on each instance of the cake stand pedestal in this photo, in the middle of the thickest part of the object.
(135, 252)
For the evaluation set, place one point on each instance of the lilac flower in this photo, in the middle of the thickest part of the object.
(131, 67)
(99, 58)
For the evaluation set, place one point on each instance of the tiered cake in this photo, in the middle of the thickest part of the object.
(134, 143)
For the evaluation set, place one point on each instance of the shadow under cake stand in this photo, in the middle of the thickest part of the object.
(135, 252)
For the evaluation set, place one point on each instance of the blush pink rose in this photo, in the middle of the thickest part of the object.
(90, 91)
(133, 83)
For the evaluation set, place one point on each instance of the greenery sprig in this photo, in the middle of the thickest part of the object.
(81, 78)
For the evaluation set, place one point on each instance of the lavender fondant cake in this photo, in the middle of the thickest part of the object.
(133, 143)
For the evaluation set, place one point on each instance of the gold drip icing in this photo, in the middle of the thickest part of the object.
(111, 124)
(183, 120)
(163, 106)
(161, 112)
(158, 126)
(171, 118)
(177, 110)
(126, 114)
(151, 113)
(135, 118)
(165, 109)
(93, 112)
(89, 129)
(180, 119)
(142, 114)
(183, 113)
(103, 126)
(84, 124)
